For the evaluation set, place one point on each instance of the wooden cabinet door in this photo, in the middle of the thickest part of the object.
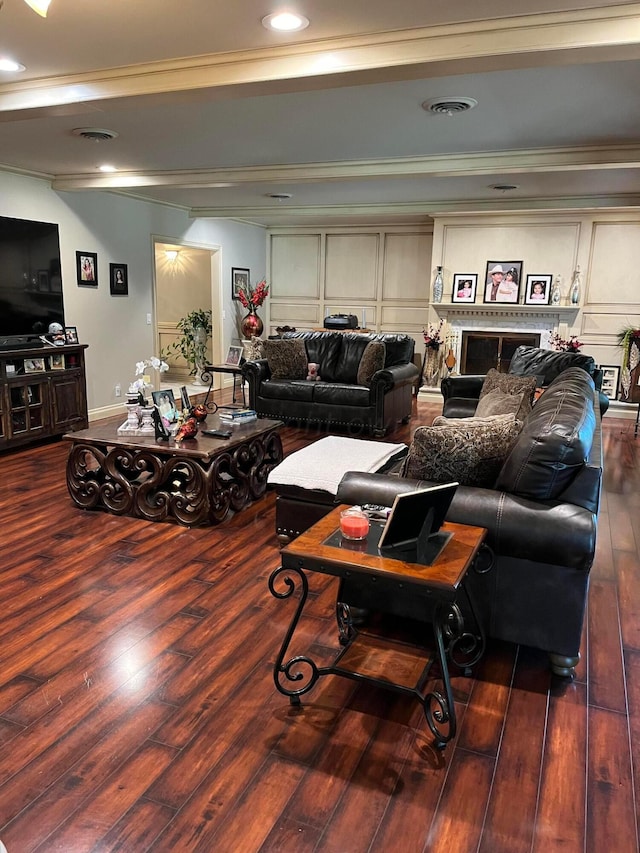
(68, 401)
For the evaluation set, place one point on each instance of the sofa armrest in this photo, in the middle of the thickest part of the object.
(552, 532)
(462, 386)
(394, 376)
(256, 371)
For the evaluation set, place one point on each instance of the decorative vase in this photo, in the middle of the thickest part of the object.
(251, 324)
(575, 288)
(556, 293)
(432, 367)
(438, 285)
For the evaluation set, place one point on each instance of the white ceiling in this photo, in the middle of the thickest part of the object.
(213, 112)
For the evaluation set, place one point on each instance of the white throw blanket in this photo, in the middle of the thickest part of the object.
(324, 463)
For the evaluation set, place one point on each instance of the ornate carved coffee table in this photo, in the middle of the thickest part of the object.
(195, 482)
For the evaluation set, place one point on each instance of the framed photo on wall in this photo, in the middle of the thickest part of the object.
(464, 287)
(118, 280)
(537, 289)
(87, 269)
(502, 281)
(239, 281)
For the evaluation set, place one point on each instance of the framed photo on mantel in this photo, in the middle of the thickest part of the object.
(502, 281)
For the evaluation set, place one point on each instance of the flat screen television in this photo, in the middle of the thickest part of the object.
(30, 280)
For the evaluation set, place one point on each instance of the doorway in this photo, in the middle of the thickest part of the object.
(186, 277)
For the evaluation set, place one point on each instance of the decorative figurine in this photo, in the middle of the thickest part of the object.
(199, 412)
(189, 429)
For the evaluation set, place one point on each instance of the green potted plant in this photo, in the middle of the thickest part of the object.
(195, 330)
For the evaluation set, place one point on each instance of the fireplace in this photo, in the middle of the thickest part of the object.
(481, 350)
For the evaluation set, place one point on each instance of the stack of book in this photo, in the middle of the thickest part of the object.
(237, 416)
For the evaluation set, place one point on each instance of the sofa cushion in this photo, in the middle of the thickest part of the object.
(287, 359)
(547, 364)
(509, 384)
(371, 361)
(555, 440)
(340, 394)
(498, 402)
(298, 390)
(254, 350)
(471, 451)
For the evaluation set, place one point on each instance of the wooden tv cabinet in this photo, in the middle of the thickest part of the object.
(43, 393)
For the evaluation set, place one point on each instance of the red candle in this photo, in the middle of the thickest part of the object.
(354, 524)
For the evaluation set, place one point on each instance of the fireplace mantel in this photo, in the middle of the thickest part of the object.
(457, 311)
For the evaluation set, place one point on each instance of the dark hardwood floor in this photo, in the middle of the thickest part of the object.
(138, 710)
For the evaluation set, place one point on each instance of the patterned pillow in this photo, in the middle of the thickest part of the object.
(471, 452)
(508, 383)
(254, 350)
(371, 361)
(496, 402)
(287, 358)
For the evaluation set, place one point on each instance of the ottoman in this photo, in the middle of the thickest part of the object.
(306, 482)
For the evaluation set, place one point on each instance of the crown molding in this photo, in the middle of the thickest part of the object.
(575, 158)
(577, 36)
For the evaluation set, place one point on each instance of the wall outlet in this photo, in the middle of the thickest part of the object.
(118, 391)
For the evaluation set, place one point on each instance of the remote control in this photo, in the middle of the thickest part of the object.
(217, 433)
(374, 508)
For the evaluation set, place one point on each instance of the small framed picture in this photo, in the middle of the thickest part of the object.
(239, 281)
(234, 355)
(70, 335)
(537, 289)
(464, 287)
(610, 378)
(33, 365)
(502, 281)
(87, 269)
(166, 403)
(56, 362)
(118, 280)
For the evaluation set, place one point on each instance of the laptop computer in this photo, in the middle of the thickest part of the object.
(412, 530)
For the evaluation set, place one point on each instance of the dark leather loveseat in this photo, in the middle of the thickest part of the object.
(541, 517)
(461, 393)
(338, 398)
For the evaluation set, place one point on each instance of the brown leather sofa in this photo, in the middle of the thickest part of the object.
(541, 517)
(337, 399)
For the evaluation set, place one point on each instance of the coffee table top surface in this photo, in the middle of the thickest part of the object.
(310, 551)
(200, 447)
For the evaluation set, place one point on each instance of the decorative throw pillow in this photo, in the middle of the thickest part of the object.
(471, 453)
(287, 358)
(508, 383)
(254, 350)
(496, 402)
(371, 361)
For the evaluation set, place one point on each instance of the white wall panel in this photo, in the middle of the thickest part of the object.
(295, 265)
(351, 266)
(407, 267)
(615, 262)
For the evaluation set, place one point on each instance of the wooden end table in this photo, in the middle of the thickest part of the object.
(193, 482)
(372, 657)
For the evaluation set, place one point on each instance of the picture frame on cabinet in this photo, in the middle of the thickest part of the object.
(537, 289)
(87, 269)
(118, 279)
(464, 287)
(502, 282)
(71, 335)
(610, 380)
(34, 365)
(56, 362)
(239, 281)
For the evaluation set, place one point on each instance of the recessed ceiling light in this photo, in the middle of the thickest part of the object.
(449, 106)
(503, 188)
(106, 167)
(10, 65)
(279, 196)
(285, 22)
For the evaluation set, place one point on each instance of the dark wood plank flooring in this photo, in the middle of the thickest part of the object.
(138, 710)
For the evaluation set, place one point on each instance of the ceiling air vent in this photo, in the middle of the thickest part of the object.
(94, 134)
(449, 106)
